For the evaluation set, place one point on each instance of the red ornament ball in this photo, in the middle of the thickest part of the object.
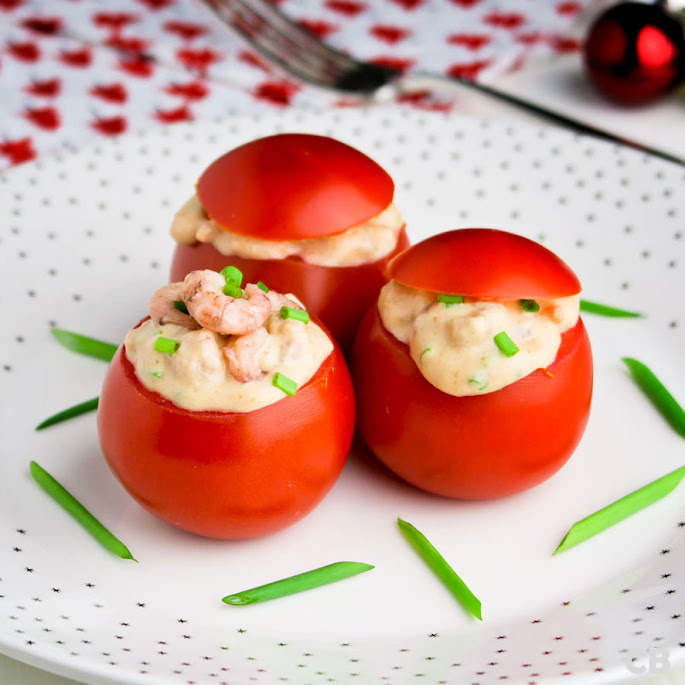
(635, 52)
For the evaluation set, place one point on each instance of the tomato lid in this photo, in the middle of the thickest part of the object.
(293, 186)
(484, 262)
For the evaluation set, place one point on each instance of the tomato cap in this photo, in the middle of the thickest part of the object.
(293, 186)
(484, 262)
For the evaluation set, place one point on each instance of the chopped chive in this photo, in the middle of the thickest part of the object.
(294, 313)
(70, 413)
(233, 275)
(449, 300)
(506, 345)
(620, 509)
(657, 393)
(233, 290)
(441, 568)
(84, 345)
(70, 504)
(529, 306)
(158, 374)
(180, 305)
(606, 310)
(298, 583)
(425, 350)
(480, 384)
(287, 385)
(263, 286)
(166, 345)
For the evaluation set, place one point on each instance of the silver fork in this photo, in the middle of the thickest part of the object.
(303, 55)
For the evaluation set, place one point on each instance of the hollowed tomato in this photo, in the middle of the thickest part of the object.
(338, 295)
(297, 187)
(227, 475)
(480, 446)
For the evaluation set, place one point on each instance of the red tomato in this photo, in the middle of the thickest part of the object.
(484, 262)
(338, 295)
(481, 446)
(227, 475)
(295, 187)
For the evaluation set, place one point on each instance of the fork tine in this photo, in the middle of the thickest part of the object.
(296, 50)
(301, 53)
(281, 41)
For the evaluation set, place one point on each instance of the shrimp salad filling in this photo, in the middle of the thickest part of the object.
(226, 349)
(366, 242)
(455, 343)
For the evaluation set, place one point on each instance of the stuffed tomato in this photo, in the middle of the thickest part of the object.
(473, 372)
(226, 415)
(305, 213)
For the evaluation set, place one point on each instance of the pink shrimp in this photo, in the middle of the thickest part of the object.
(204, 297)
(163, 310)
(277, 301)
(241, 355)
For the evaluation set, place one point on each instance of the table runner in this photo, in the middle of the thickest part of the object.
(72, 71)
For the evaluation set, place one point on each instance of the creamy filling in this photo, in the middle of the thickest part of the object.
(453, 345)
(197, 375)
(366, 242)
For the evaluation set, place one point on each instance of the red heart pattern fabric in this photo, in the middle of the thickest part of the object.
(75, 70)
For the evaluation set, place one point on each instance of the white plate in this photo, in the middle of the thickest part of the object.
(83, 244)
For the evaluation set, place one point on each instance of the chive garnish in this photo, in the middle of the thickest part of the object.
(607, 310)
(620, 509)
(232, 274)
(295, 313)
(70, 504)
(441, 568)
(529, 306)
(425, 350)
(505, 344)
(233, 290)
(166, 345)
(298, 583)
(70, 413)
(84, 345)
(448, 300)
(287, 385)
(657, 393)
(263, 286)
(180, 305)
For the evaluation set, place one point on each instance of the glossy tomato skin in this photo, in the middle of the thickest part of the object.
(293, 186)
(338, 295)
(484, 262)
(476, 447)
(227, 475)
